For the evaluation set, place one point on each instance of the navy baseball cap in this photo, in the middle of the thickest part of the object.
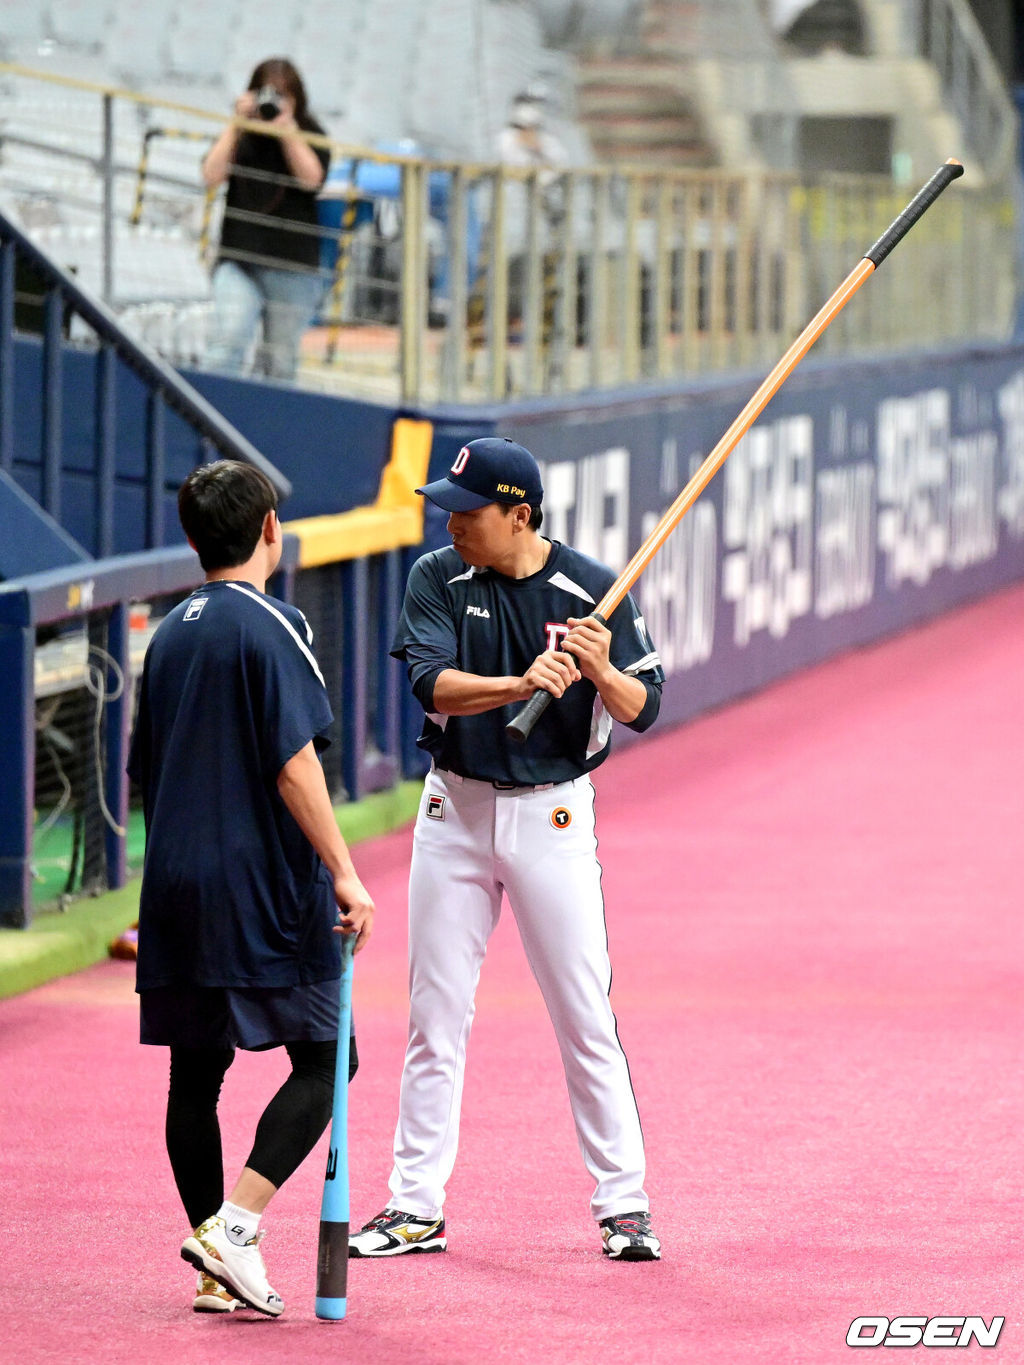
(489, 469)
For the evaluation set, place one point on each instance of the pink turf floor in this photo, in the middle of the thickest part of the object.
(814, 904)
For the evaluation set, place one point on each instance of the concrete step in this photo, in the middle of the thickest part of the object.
(681, 157)
(657, 131)
(635, 103)
(641, 69)
(625, 101)
(671, 24)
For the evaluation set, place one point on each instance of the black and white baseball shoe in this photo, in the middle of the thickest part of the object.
(393, 1232)
(628, 1237)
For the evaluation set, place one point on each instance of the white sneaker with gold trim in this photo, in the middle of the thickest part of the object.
(239, 1269)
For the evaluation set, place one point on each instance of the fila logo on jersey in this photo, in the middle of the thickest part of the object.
(195, 608)
(479, 611)
(435, 807)
(561, 818)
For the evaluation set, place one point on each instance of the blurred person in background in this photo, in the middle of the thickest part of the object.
(526, 141)
(267, 267)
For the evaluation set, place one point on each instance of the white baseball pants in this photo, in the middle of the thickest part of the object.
(538, 845)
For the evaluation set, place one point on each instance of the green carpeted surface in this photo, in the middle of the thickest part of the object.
(63, 941)
(53, 850)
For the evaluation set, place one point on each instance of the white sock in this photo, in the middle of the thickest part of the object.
(241, 1224)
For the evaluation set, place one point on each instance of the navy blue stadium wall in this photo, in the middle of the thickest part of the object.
(869, 496)
(332, 449)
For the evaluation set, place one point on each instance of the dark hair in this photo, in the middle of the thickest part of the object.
(222, 507)
(536, 513)
(280, 72)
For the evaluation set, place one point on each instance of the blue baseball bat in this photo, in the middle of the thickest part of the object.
(332, 1254)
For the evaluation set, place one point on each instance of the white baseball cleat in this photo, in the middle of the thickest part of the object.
(392, 1232)
(239, 1269)
(628, 1237)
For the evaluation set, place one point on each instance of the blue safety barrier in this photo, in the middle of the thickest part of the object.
(374, 713)
(70, 595)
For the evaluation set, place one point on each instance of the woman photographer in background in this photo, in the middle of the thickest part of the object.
(267, 266)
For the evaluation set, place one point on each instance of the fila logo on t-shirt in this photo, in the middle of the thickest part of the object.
(479, 611)
(435, 807)
(195, 608)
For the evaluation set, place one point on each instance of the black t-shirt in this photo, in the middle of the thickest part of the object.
(233, 894)
(262, 185)
(480, 621)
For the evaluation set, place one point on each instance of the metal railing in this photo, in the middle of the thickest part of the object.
(62, 298)
(473, 282)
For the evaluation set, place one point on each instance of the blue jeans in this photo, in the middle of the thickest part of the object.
(243, 296)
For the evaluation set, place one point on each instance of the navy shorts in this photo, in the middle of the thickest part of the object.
(249, 1017)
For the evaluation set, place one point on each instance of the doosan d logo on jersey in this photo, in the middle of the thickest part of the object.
(921, 1331)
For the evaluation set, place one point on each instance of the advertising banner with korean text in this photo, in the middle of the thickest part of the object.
(865, 499)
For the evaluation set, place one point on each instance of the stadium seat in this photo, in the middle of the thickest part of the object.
(22, 26)
(445, 113)
(80, 23)
(136, 41)
(382, 72)
(198, 41)
(326, 47)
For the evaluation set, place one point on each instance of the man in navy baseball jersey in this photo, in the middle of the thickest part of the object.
(246, 874)
(485, 623)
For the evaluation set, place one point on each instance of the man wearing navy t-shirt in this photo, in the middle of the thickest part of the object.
(485, 623)
(246, 874)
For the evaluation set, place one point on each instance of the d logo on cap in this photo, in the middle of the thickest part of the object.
(502, 471)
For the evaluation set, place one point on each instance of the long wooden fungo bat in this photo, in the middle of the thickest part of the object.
(532, 710)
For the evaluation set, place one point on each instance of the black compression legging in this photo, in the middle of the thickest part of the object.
(287, 1132)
